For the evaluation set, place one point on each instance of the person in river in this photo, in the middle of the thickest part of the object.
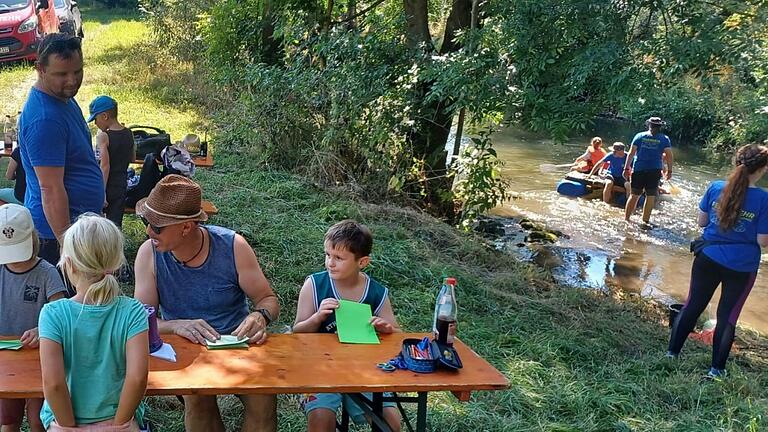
(734, 214)
(647, 154)
(591, 156)
(615, 160)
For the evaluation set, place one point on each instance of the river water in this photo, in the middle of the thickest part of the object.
(601, 249)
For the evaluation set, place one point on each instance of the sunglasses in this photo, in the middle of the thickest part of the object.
(155, 229)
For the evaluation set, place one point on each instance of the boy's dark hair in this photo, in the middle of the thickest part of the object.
(112, 112)
(60, 44)
(352, 236)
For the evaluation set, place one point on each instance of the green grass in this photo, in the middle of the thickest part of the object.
(577, 360)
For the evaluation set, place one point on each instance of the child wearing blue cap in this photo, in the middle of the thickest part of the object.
(116, 150)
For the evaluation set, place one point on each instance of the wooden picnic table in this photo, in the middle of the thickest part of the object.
(200, 162)
(286, 363)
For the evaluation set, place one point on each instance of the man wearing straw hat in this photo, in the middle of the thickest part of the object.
(200, 276)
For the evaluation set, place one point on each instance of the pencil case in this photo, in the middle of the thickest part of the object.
(441, 355)
(416, 364)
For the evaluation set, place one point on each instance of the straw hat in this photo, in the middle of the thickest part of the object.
(175, 199)
(191, 141)
(656, 121)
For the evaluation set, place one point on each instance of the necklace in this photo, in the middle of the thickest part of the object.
(184, 263)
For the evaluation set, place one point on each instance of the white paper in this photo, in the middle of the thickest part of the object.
(166, 352)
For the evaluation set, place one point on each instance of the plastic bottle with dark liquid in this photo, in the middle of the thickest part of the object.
(444, 324)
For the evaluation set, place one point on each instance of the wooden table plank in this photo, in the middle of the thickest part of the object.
(287, 363)
(200, 162)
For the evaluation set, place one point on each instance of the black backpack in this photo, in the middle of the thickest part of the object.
(149, 139)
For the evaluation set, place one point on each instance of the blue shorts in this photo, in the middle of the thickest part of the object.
(332, 402)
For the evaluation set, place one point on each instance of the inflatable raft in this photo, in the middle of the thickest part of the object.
(576, 184)
(581, 185)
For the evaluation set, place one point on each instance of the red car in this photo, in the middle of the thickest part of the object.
(19, 34)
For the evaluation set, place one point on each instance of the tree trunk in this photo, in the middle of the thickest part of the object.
(417, 23)
(430, 134)
(460, 18)
(271, 49)
(351, 12)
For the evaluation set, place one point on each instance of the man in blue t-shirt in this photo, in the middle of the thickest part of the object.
(616, 181)
(63, 177)
(650, 149)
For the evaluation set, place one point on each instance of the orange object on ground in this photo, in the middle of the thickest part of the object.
(704, 336)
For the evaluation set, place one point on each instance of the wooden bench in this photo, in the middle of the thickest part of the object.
(208, 207)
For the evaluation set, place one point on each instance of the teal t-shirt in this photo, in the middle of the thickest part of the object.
(93, 341)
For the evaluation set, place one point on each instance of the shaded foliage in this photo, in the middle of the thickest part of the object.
(364, 93)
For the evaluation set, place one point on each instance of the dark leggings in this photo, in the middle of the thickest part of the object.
(706, 275)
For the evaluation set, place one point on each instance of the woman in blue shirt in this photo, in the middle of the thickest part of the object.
(734, 215)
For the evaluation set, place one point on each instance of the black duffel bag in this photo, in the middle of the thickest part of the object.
(149, 139)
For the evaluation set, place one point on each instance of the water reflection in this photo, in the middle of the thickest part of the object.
(602, 250)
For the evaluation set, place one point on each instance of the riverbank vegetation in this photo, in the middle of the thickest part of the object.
(364, 93)
(576, 360)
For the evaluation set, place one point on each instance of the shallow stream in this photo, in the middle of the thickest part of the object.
(600, 250)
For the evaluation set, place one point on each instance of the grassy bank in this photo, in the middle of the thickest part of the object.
(577, 360)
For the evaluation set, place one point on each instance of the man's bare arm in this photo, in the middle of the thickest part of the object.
(256, 286)
(54, 198)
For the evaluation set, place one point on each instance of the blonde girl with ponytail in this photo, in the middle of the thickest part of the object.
(94, 351)
(734, 215)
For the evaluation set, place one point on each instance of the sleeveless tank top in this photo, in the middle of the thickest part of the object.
(595, 155)
(120, 155)
(323, 287)
(210, 292)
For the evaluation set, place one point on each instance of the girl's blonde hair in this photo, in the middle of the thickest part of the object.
(93, 248)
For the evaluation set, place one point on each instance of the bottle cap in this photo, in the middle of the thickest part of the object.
(450, 281)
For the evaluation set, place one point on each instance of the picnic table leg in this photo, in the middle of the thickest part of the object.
(378, 410)
(421, 413)
(378, 424)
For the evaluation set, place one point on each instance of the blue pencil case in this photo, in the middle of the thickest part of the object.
(425, 358)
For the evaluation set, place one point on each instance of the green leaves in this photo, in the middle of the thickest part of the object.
(478, 185)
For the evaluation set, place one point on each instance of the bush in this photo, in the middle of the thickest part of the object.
(176, 25)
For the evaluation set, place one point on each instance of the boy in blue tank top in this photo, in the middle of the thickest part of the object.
(348, 247)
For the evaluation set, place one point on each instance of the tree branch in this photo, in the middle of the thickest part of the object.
(362, 12)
